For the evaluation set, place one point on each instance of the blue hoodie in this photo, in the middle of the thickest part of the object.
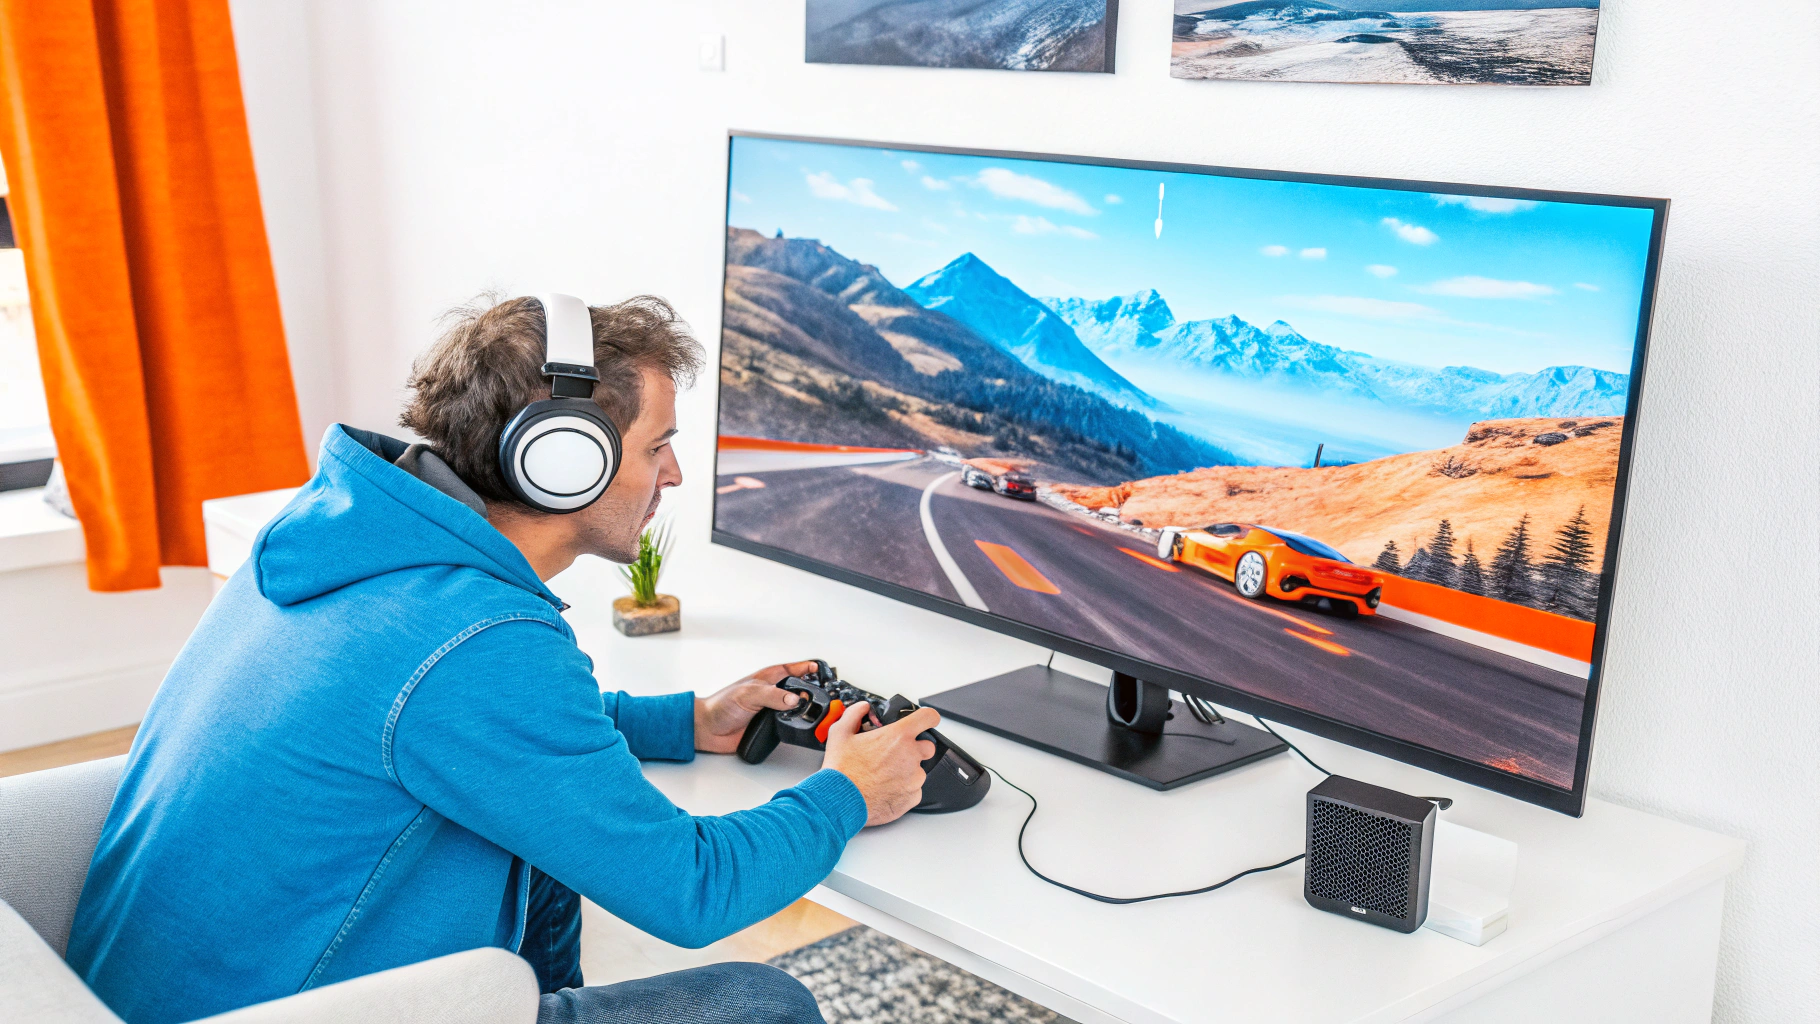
(379, 723)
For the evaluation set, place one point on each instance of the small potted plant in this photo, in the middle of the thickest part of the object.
(646, 611)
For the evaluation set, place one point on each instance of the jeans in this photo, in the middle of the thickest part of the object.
(729, 992)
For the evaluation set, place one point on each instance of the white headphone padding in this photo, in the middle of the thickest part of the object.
(563, 462)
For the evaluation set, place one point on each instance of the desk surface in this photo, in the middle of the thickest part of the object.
(1255, 948)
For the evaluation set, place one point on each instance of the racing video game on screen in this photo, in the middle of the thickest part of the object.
(1350, 449)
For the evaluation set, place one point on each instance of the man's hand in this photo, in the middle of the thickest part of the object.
(720, 718)
(885, 763)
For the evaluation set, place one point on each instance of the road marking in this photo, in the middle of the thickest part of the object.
(741, 483)
(1260, 606)
(1147, 560)
(1016, 569)
(1326, 645)
(957, 579)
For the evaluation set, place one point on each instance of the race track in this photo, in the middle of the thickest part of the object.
(1102, 585)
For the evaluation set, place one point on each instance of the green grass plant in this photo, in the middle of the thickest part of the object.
(642, 574)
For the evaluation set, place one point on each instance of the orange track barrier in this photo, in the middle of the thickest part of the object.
(733, 442)
(1572, 638)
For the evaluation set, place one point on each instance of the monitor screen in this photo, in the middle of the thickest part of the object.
(1345, 452)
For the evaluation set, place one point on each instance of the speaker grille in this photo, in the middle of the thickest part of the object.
(1359, 858)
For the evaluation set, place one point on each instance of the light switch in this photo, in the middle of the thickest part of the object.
(711, 52)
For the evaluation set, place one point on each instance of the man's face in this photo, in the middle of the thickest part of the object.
(610, 526)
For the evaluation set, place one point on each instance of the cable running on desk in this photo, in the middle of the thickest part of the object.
(1118, 899)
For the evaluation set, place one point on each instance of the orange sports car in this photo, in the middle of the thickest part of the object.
(1262, 560)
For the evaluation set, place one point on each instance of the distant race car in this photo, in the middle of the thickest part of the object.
(1014, 484)
(1263, 560)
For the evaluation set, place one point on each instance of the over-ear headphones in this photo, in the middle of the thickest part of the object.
(559, 455)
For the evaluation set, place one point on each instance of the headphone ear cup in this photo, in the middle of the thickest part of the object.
(559, 455)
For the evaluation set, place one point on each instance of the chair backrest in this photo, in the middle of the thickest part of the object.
(49, 824)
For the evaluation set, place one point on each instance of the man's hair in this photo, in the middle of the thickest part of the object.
(488, 364)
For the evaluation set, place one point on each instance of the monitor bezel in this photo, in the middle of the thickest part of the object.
(1567, 801)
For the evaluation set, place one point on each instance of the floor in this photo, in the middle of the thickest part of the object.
(611, 950)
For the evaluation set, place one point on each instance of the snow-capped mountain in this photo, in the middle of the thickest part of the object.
(1005, 315)
(1141, 325)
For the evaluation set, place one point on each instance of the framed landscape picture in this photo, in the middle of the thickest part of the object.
(1412, 42)
(1012, 35)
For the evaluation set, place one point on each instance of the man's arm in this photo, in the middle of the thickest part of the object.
(658, 728)
(506, 736)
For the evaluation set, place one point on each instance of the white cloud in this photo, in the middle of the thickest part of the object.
(1314, 254)
(1415, 234)
(1112, 200)
(858, 191)
(1025, 225)
(738, 196)
(935, 184)
(1488, 288)
(1583, 286)
(1008, 184)
(1376, 309)
(912, 166)
(1275, 250)
(1487, 204)
(1381, 270)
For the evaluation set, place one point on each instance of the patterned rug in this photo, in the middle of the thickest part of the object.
(861, 976)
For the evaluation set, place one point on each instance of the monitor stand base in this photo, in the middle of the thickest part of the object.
(1067, 716)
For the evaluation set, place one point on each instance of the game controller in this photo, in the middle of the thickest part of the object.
(953, 780)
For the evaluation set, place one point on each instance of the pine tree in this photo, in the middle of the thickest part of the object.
(1388, 559)
(1417, 566)
(1439, 568)
(1571, 588)
(1512, 577)
(1472, 577)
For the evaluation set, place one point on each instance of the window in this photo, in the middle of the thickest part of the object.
(1310, 547)
(26, 447)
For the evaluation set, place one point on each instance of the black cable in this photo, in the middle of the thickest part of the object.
(1051, 660)
(1286, 743)
(1443, 802)
(1118, 899)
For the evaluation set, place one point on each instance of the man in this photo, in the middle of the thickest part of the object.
(382, 744)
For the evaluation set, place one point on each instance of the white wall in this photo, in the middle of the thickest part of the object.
(463, 146)
(73, 662)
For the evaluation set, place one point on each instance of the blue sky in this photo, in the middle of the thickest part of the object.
(1502, 285)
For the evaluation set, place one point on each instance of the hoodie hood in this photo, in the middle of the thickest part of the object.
(360, 517)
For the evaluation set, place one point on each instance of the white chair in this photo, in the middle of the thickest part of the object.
(49, 823)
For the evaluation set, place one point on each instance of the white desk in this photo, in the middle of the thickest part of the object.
(1615, 916)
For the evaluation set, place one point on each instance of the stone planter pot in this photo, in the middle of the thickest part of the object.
(663, 617)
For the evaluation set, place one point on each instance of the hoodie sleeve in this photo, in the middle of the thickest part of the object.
(507, 736)
(656, 728)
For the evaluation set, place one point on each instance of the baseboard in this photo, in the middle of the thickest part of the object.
(78, 705)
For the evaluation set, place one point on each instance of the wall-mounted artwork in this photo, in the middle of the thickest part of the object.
(1015, 35)
(1415, 42)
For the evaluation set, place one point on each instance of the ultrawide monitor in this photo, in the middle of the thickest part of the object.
(1343, 452)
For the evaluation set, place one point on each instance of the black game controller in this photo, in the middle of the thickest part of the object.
(953, 781)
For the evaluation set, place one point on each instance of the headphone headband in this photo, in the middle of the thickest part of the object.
(568, 348)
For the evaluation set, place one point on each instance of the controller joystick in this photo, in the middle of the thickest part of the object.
(953, 780)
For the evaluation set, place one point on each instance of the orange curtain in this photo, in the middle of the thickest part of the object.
(135, 205)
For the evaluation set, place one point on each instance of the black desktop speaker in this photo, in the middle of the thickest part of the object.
(1369, 853)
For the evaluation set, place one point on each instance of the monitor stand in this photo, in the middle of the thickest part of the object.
(1131, 730)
